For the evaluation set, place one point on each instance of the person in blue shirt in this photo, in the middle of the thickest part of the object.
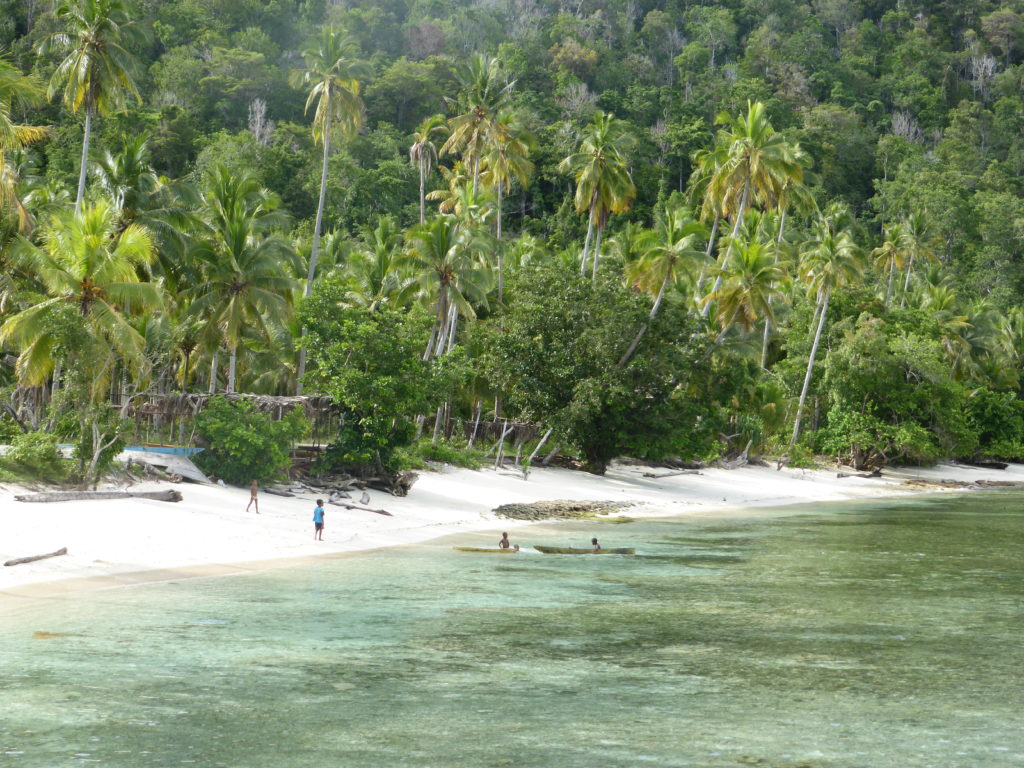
(318, 520)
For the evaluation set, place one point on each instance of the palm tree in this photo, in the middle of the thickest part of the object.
(603, 182)
(920, 245)
(333, 75)
(423, 153)
(375, 271)
(749, 279)
(17, 91)
(87, 265)
(506, 161)
(891, 255)
(97, 70)
(758, 160)
(484, 93)
(831, 258)
(674, 249)
(442, 257)
(243, 285)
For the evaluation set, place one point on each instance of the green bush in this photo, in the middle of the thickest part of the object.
(35, 456)
(245, 445)
(449, 453)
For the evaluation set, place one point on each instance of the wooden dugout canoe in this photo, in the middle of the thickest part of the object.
(492, 550)
(582, 551)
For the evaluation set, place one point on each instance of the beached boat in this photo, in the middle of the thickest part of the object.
(492, 550)
(582, 551)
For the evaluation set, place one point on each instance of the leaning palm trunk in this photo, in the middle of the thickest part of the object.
(810, 367)
(892, 275)
(85, 159)
(906, 283)
(732, 239)
(314, 253)
(707, 254)
(628, 354)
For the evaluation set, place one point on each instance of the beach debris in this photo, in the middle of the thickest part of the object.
(277, 492)
(865, 475)
(362, 509)
(561, 509)
(673, 474)
(364, 499)
(52, 496)
(33, 558)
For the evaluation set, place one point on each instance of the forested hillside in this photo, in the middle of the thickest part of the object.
(647, 228)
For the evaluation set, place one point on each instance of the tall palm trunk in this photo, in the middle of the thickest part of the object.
(423, 193)
(810, 367)
(232, 362)
(314, 253)
(590, 232)
(707, 253)
(892, 275)
(628, 354)
(906, 283)
(85, 158)
(768, 320)
(213, 373)
(732, 238)
(501, 261)
(597, 249)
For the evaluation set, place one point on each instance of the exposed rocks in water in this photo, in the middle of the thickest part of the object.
(561, 510)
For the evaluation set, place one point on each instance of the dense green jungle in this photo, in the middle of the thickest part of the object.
(642, 227)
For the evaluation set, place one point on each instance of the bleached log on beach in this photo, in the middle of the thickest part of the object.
(363, 509)
(33, 558)
(673, 474)
(865, 475)
(168, 495)
(276, 492)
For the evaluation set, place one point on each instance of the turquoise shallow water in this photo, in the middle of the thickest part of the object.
(883, 635)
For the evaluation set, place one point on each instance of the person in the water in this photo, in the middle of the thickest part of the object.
(597, 547)
(504, 543)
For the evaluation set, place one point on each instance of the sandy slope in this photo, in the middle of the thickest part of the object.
(124, 541)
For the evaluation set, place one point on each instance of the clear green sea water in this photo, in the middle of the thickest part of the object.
(883, 635)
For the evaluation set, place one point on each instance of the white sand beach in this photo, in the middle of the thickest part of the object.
(124, 541)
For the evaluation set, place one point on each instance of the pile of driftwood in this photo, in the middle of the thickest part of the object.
(342, 486)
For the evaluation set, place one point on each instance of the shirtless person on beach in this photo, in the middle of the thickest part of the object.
(253, 491)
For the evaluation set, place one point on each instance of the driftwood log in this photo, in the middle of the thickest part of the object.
(673, 474)
(276, 492)
(363, 509)
(169, 495)
(33, 558)
(397, 484)
(866, 475)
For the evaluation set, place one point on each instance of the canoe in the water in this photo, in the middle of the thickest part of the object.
(582, 551)
(492, 550)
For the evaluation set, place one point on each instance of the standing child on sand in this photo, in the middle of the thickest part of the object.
(318, 521)
(253, 490)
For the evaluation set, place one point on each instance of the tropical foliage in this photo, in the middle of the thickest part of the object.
(648, 229)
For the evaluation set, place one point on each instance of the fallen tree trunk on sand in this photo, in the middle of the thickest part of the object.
(397, 484)
(33, 558)
(673, 474)
(364, 509)
(865, 475)
(169, 495)
(276, 492)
